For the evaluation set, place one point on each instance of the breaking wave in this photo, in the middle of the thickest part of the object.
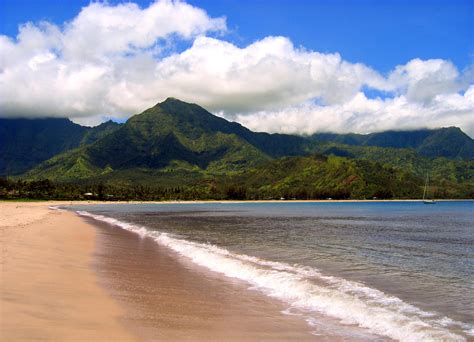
(306, 288)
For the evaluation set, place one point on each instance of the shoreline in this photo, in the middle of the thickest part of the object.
(92, 202)
(48, 289)
(242, 263)
(66, 277)
(59, 267)
(168, 297)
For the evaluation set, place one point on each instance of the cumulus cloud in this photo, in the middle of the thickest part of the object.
(68, 71)
(113, 61)
(100, 30)
(422, 81)
(362, 115)
(269, 73)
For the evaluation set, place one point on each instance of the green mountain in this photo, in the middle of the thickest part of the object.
(172, 136)
(180, 150)
(24, 143)
(321, 177)
(448, 142)
(446, 172)
(92, 134)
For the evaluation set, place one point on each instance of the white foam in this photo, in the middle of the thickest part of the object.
(308, 289)
(55, 207)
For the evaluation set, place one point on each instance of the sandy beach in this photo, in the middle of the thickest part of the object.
(64, 278)
(48, 289)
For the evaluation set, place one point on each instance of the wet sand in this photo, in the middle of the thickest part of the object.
(64, 278)
(167, 297)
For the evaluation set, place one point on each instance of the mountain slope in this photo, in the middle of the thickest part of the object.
(448, 142)
(191, 118)
(169, 135)
(24, 143)
(92, 134)
(440, 169)
(319, 176)
(177, 145)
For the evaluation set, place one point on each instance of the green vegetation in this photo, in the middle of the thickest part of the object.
(452, 176)
(448, 142)
(310, 177)
(320, 177)
(24, 143)
(177, 150)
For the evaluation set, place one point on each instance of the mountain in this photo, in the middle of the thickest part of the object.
(448, 142)
(172, 136)
(24, 143)
(92, 134)
(439, 169)
(319, 176)
(179, 150)
(189, 119)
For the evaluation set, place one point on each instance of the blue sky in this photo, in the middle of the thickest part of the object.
(278, 66)
(381, 34)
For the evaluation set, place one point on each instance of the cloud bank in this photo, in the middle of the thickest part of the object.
(116, 61)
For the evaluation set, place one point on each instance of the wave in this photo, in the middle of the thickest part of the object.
(55, 207)
(307, 289)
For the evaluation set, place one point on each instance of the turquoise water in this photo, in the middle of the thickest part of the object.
(403, 270)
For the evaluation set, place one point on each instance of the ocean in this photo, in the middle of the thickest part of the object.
(370, 270)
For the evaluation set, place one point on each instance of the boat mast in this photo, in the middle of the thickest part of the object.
(426, 185)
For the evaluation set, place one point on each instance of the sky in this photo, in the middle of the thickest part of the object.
(285, 66)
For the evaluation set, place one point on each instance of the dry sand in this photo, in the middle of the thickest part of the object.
(64, 278)
(48, 290)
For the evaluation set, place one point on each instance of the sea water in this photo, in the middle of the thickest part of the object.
(400, 270)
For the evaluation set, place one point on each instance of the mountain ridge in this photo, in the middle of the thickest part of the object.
(24, 143)
(178, 144)
(449, 142)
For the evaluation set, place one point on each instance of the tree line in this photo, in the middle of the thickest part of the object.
(46, 189)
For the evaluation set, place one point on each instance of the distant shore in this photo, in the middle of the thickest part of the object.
(82, 202)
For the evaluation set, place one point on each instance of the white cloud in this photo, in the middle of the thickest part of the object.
(266, 74)
(422, 81)
(109, 61)
(100, 30)
(363, 115)
(70, 71)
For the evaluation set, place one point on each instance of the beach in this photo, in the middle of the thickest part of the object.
(64, 278)
(359, 271)
(233, 271)
(48, 288)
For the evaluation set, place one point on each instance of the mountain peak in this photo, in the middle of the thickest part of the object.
(174, 101)
(177, 107)
(171, 99)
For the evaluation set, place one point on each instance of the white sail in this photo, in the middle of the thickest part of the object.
(427, 201)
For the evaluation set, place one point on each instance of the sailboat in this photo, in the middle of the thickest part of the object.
(425, 200)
